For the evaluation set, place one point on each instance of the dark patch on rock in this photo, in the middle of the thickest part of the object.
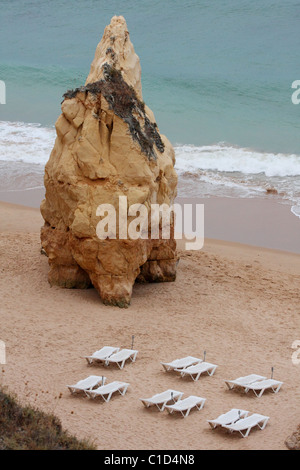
(124, 102)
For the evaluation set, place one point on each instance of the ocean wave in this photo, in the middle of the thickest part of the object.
(25, 142)
(210, 170)
(227, 158)
(32, 143)
(230, 171)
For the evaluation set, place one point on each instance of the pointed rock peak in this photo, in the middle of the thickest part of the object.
(116, 50)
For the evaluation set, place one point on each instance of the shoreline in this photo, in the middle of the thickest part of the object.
(257, 222)
(16, 218)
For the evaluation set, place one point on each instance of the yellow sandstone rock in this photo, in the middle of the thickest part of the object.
(108, 145)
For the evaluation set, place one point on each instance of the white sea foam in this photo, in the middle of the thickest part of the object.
(296, 210)
(32, 143)
(220, 169)
(226, 170)
(27, 143)
(229, 159)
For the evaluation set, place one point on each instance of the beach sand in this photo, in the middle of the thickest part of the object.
(238, 302)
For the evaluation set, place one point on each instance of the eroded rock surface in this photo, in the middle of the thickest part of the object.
(108, 145)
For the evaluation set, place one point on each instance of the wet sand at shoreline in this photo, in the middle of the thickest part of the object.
(259, 222)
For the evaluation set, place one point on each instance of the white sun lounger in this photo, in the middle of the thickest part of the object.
(86, 384)
(101, 355)
(106, 391)
(260, 386)
(184, 406)
(242, 381)
(195, 371)
(244, 426)
(121, 357)
(180, 363)
(228, 418)
(162, 399)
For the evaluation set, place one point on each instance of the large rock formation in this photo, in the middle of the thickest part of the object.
(107, 145)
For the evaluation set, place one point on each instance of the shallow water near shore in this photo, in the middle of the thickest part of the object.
(204, 171)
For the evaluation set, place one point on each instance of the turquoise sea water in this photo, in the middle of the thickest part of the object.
(217, 75)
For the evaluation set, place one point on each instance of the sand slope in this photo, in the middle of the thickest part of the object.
(239, 303)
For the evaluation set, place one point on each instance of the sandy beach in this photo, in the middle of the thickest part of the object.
(239, 303)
